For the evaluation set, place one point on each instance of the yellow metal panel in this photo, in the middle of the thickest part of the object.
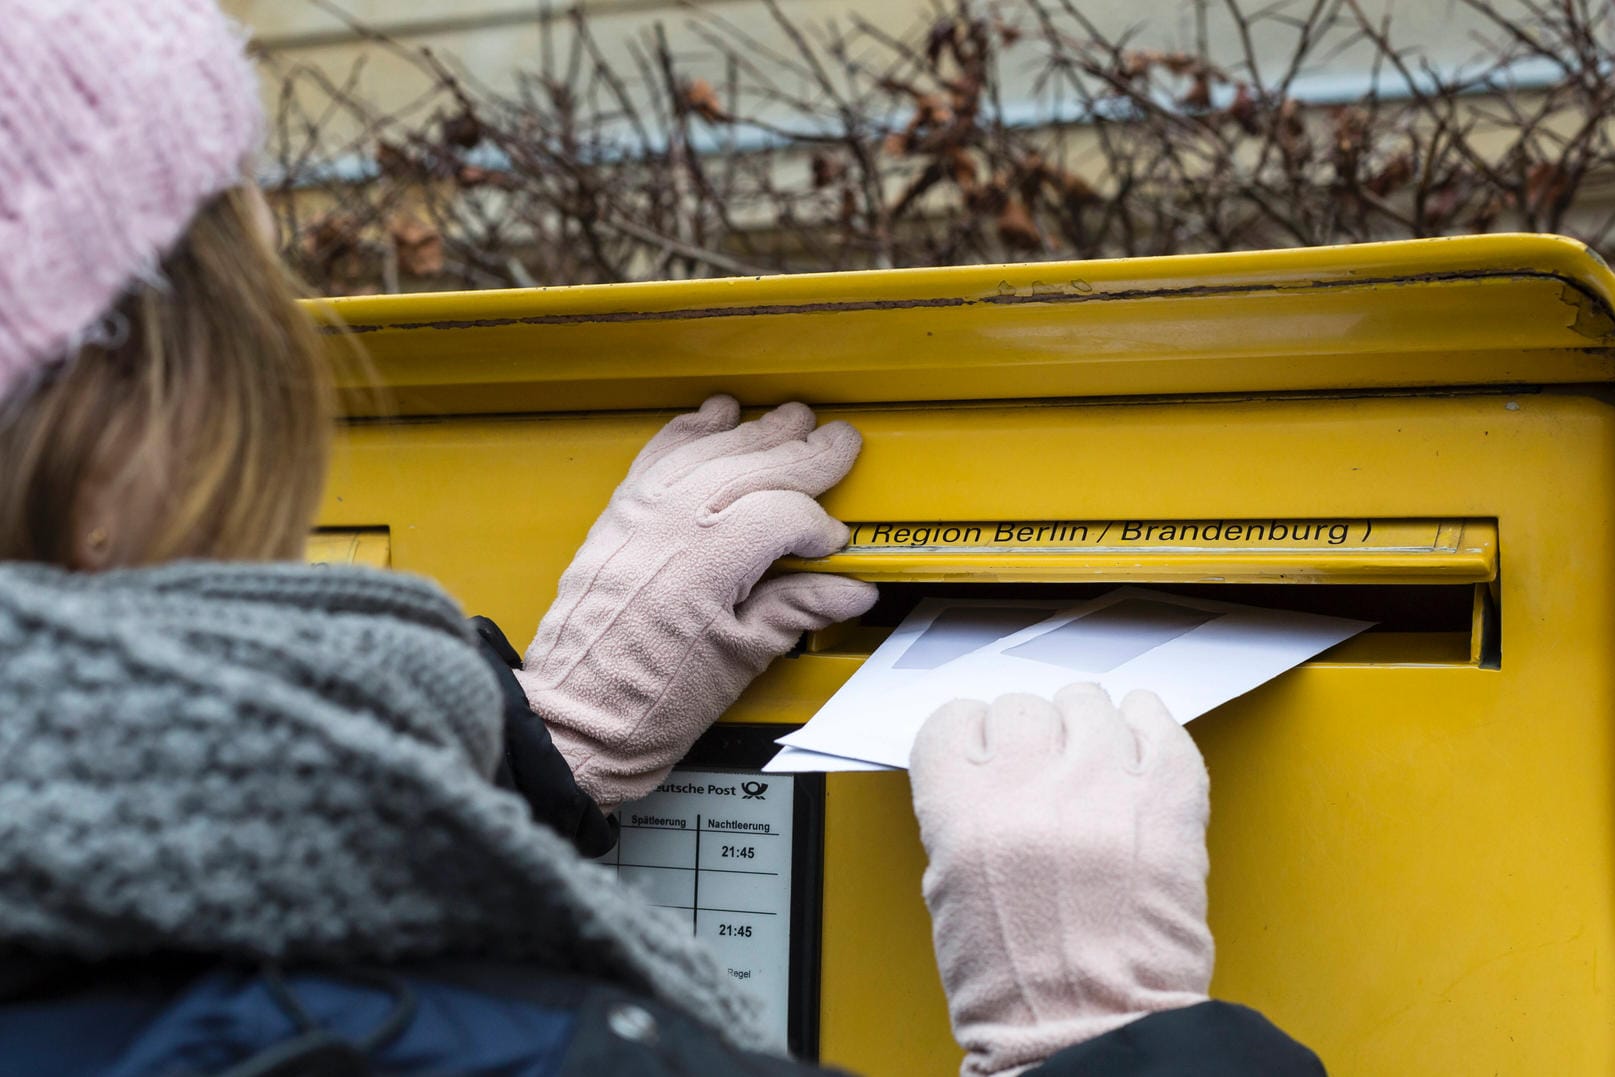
(1413, 858)
(1488, 310)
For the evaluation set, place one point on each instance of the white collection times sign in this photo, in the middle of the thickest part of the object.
(715, 845)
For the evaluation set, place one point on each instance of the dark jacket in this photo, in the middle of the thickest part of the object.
(172, 1015)
(487, 1019)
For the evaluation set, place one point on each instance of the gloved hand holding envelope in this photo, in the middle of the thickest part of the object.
(1194, 653)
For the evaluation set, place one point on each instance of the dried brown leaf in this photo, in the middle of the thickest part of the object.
(463, 130)
(1393, 174)
(1181, 64)
(331, 237)
(930, 110)
(1291, 135)
(1198, 95)
(940, 36)
(964, 94)
(474, 176)
(826, 170)
(1135, 63)
(1243, 109)
(419, 246)
(1078, 191)
(962, 168)
(395, 161)
(1351, 138)
(700, 98)
(1017, 228)
(1546, 184)
(1443, 202)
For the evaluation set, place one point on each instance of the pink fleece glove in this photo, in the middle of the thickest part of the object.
(1067, 875)
(660, 622)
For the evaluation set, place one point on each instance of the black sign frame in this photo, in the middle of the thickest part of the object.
(744, 748)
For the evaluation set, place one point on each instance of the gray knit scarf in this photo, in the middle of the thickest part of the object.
(288, 763)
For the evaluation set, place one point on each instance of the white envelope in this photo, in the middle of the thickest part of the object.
(1194, 653)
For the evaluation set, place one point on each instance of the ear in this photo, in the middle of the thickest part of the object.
(92, 548)
(107, 526)
(117, 515)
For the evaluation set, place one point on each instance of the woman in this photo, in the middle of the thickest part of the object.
(266, 818)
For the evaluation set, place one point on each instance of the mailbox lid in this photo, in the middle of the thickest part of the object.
(1468, 311)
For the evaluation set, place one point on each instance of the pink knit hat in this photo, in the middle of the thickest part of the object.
(118, 120)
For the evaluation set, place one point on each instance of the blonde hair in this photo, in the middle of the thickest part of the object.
(197, 424)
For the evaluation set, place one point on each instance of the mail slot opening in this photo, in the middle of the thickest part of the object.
(1422, 624)
(1429, 585)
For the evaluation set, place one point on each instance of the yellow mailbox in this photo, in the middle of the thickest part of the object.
(1412, 837)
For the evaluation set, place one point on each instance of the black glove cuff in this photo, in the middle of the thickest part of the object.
(532, 766)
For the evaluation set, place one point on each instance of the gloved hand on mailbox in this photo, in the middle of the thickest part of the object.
(660, 622)
(1067, 873)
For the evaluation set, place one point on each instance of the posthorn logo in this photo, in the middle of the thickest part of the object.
(753, 790)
